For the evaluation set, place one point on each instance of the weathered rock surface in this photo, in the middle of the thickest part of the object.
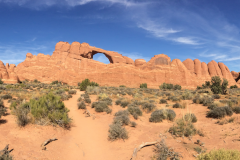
(73, 63)
(236, 76)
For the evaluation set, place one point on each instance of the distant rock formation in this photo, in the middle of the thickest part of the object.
(73, 63)
(236, 76)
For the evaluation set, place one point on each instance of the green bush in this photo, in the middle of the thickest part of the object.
(6, 96)
(143, 85)
(216, 96)
(170, 86)
(177, 87)
(55, 82)
(50, 107)
(220, 154)
(159, 115)
(220, 112)
(217, 86)
(83, 85)
(1, 82)
(234, 86)
(122, 86)
(81, 105)
(206, 85)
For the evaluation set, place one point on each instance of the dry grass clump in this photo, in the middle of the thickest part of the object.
(159, 115)
(220, 154)
(87, 100)
(226, 121)
(220, 112)
(190, 117)
(183, 127)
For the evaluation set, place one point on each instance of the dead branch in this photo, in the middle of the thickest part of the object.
(47, 142)
(88, 114)
(134, 156)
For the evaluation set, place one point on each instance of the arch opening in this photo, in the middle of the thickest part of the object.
(101, 57)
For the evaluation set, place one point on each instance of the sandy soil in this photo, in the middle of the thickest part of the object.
(87, 138)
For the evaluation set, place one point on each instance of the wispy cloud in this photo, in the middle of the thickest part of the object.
(186, 40)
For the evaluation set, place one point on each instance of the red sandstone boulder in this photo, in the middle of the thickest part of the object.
(139, 62)
(128, 60)
(189, 65)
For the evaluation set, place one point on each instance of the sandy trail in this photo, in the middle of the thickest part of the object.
(88, 137)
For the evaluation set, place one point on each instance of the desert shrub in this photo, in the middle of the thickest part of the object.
(72, 92)
(166, 86)
(178, 105)
(107, 100)
(116, 131)
(163, 101)
(187, 95)
(122, 86)
(2, 109)
(93, 90)
(220, 154)
(6, 156)
(65, 96)
(21, 113)
(60, 91)
(143, 85)
(183, 128)
(36, 81)
(1, 82)
(163, 152)
(94, 104)
(236, 110)
(85, 95)
(148, 107)
(6, 96)
(124, 103)
(177, 87)
(173, 98)
(79, 99)
(212, 106)
(83, 85)
(54, 82)
(118, 101)
(87, 100)
(206, 101)
(220, 112)
(81, 105)
(159, 115)
(133, 124)
(102, 106)
(216, 96)
(135, 111)
(234, 86)
(206, 85)
(122, 117)
(218, 86)
(190, 117)
(50, 107)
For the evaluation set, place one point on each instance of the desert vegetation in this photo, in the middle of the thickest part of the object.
(131, 110)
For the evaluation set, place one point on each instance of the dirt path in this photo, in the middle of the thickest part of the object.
(88, 137)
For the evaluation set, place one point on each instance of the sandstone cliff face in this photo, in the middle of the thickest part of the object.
(236, 76)
(73, 63)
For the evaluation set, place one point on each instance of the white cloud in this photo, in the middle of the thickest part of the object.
(186, 40)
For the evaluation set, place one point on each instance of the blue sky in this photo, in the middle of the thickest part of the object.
(206, 30)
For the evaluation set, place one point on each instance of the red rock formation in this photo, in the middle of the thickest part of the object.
(73, 63)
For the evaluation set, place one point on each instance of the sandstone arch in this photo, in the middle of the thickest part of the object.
(108, 56)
